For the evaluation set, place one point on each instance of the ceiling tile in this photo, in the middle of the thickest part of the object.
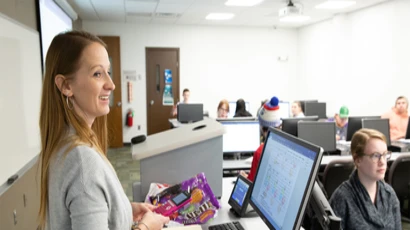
(183, 2)
(84, 9)
(137, 19)
(132, 6)
(172, 8)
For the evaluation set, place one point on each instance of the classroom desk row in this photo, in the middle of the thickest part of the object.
(232, 165)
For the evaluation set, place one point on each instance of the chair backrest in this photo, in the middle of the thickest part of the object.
(336, 172)
(399, 175)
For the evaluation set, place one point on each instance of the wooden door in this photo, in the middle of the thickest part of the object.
(114, 119)
(159, 60)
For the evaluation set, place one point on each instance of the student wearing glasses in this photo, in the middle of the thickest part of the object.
(223, 109)
(365, 201)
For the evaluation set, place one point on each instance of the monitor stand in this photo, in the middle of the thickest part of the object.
(248, 213)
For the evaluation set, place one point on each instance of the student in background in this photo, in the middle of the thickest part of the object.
(365, 201)
(268, 116)
(297, 109)
(223, 109)
(241, 109)
(398, 118)
(185, 94)
(79, 187)
(341, 119)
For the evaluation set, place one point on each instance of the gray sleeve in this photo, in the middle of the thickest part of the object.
(85, 185)
(338, 204)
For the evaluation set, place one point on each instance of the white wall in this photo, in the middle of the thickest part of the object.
(215, 63)
(359, 59)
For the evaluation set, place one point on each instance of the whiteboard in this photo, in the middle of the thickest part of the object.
(21, 81)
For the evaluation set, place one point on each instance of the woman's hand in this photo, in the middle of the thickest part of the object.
(153, 221)
(139, 210)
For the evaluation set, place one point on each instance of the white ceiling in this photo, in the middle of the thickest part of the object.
(193, 12)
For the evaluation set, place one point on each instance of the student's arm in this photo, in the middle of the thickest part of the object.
(255, 163)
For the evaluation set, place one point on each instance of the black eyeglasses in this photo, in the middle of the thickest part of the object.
(376, 157)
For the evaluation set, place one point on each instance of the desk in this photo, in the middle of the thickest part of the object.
(224, 215)
(250, 222)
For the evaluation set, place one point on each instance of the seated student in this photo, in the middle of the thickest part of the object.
(241, 109)
(297, 109)
(223, 109)
(268, 116)
(185, 94)
(398, 118)
(365, 201)
(341, 123)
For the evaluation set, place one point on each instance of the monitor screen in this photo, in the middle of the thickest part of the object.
(354, 124)
(284, 109)
(322, 134)
(408, 130)
(240, 136)
(316, 109)
(187, 113)
(381, 125)
(290, 125)
(53, 21)
(232, 108)
(284, 180)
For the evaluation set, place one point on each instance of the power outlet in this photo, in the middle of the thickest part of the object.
(139, 127)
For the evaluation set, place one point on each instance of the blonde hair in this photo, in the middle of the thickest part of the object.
(360, 140)
(57, 117)
(222, 103)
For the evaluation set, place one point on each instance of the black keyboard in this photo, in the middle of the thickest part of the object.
(227, 226)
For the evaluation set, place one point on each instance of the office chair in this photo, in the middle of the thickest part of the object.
(336, 172)
(399, 179)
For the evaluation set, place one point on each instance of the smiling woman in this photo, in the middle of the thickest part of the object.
(73, 126)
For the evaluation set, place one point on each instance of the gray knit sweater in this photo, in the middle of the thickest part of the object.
(352, 203)
(85, 193)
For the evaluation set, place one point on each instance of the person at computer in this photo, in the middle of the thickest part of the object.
(223, 109)
(241, 109)
(185, 94)
(297, 109)
(340, 120)
(79, 187)
(268, 116)
(398, 118)
(365, 201)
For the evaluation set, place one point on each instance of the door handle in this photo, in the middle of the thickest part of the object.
(151, 102)
(119, 104)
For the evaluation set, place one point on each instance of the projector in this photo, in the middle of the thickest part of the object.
(290, 10)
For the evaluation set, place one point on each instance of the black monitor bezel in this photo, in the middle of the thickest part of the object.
(308, 188)
(332, 124)
(294, 122)
(408, 130)
(385, 120)
(185, 106)
(354, 124)
(322, 106)
(240, 210)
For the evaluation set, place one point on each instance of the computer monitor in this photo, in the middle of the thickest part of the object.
(188, 113)
(290, 125)
(239, 198)
(240, 136)
(302, 103)
(232, 108)
(316, 109)
(284, 180)
(284, 109)
(322, 134)
(379, 124)
(237, 119)
(354, 124)
(408, 130)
